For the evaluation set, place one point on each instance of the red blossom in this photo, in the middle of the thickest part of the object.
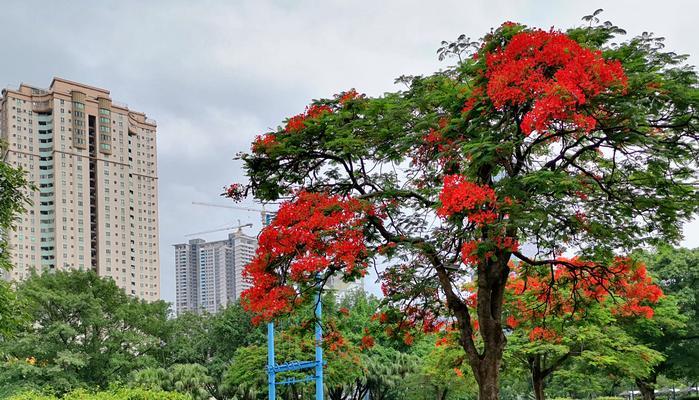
(541, 333)
(262, 143)
(309, 236)
(235, 191)
(347, 96)
(512, 322)
(460, 195)
(575, 282)
(367, 342)
(469, 253)
(408, 339)
(298, 122)
(553, 73)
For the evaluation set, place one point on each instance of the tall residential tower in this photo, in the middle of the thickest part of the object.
(209, 275)
(94, 164)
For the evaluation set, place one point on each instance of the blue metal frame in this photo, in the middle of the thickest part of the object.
(273, 368)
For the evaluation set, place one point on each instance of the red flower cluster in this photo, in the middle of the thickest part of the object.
(637, 291)
(235, 191)
(262, 143)
(459, 195)
(541, 333)
(298, 122)
(310, 235)
(367, 342)
(553, 72)
(469, 253)
(581, 281)
(347, 96)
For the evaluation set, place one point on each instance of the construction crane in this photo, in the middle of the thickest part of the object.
(267, 216)
(239, 227)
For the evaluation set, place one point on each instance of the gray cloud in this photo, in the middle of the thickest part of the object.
(216, 73)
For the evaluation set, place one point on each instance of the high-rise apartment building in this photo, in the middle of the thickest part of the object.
(94, 164)
(209, 275)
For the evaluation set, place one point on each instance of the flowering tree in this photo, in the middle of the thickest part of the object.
(548, 331)
(555, 142)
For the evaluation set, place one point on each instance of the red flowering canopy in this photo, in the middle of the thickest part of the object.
(534, 145)
(310, 236)
(554, 74)
(624, 287)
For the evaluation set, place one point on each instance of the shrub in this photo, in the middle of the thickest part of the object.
(115, 394)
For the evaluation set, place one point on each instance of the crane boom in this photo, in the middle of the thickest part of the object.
(199, 203)
(219, 230)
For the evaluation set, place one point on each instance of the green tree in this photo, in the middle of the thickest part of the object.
(14, 198)
(83, 331)
(190, 379)
(246, 377)
(674, 330)
(389, 373)
(440, 373)
(595, 344)
(570, 140)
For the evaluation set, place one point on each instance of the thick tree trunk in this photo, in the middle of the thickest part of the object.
(488, 382)
(647, 387)
(538, 383)
(491, 278)
(491, 288)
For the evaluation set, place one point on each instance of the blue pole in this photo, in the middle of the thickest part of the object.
(271, 377)
(319, 350)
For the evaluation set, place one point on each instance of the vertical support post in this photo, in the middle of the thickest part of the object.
(319, 349)
(271, 376)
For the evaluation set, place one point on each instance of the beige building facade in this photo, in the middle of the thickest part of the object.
(94, 163)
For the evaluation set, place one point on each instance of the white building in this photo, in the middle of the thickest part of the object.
(209, 275)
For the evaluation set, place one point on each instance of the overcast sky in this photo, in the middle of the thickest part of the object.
(216, 73)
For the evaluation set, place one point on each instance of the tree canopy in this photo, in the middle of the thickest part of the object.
(549, 155)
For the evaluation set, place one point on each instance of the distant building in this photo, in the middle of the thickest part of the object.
(209, 275)
(341, 288)
(94, 162)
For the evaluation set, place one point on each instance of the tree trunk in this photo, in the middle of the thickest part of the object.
(491, 278)
(487, 378)
(538, 377)
(491, 289)
(488, 387)
(538, 383)
(647, 386)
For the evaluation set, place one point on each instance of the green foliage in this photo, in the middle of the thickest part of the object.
(674, 329)
(83, 331)
(14, 198)
(11, 314)
(115, 394)
(190, 379)
(246, 377)
(441, 374)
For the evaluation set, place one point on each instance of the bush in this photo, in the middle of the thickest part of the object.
(609, 398)
(116, 394)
